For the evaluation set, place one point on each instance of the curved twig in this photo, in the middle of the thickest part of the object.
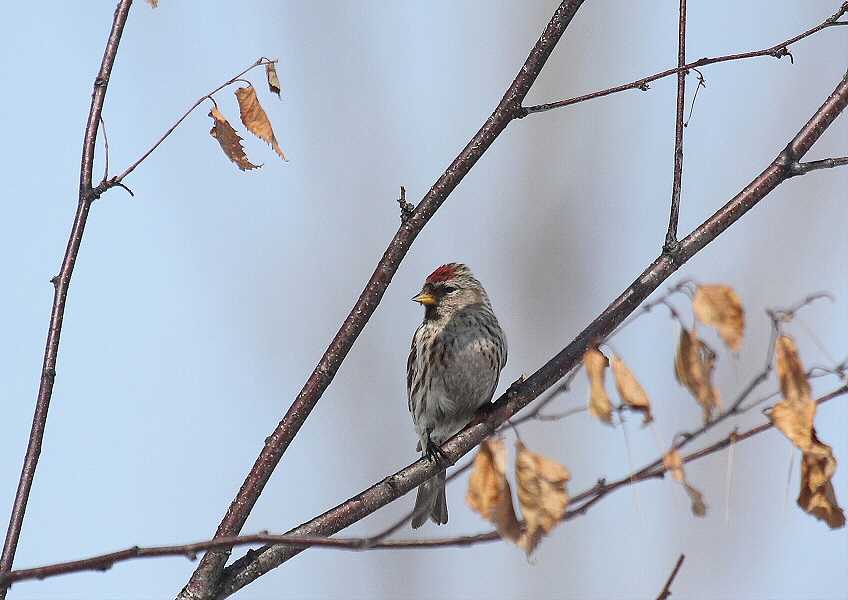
(262, 61)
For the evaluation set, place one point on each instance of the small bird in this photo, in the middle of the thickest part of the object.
(457, 355)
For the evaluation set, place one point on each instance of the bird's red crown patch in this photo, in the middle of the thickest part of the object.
(443, 273)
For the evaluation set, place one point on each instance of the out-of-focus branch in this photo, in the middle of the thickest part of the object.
(204, 581)
(778, 51)
(254, 564)
(657, 468)
(87, 195)
(666, 591)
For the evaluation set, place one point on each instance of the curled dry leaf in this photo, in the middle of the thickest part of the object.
(817, 496)
(718, 306)
(230, 141)
(674, 464)
(541, 494)
(699, 507)
(599, 403)
(273, 80)
(794, 417)
(693, 367)
(632, 394)
(488, 490)
(254, 118)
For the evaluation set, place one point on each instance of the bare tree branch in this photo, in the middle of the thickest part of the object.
(588, 498)
(677, 176)
(87, 195)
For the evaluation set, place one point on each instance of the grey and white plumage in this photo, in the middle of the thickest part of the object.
(457, 355)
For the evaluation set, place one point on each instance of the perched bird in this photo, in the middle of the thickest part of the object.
(457, 354)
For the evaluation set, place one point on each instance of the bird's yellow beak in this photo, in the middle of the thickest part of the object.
(426, 299)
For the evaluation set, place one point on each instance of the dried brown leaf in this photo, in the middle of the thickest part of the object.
(699, 508)
(674, 464)
(718, 306)
(795, 421)
(541, 494)
(153, 3)
(793, 380)
(488, 490)
(693, 367)
(794, 415)
(599, 403)
(230, 141)
(254, 118)
(273, 80)
(632, 394)
(817, 496)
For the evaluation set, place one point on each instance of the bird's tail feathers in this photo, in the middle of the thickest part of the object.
(431, 502)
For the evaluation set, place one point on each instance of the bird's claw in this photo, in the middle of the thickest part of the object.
(436, 455)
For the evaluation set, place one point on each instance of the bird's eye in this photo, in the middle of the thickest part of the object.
(449, 289)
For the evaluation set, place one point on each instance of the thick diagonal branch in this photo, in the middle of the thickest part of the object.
(211, 566)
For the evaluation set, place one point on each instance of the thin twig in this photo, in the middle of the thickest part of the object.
(131, 168)
(60, 285)
(677, 177)
(105, 148)
(666, 591)
(799, 168)
(778, 51)
(702, 83)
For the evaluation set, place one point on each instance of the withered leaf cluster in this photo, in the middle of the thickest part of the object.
(253, 116)
(716, 306)
(719, 307)
(794, 416)
(542, 497)
(631, 393)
